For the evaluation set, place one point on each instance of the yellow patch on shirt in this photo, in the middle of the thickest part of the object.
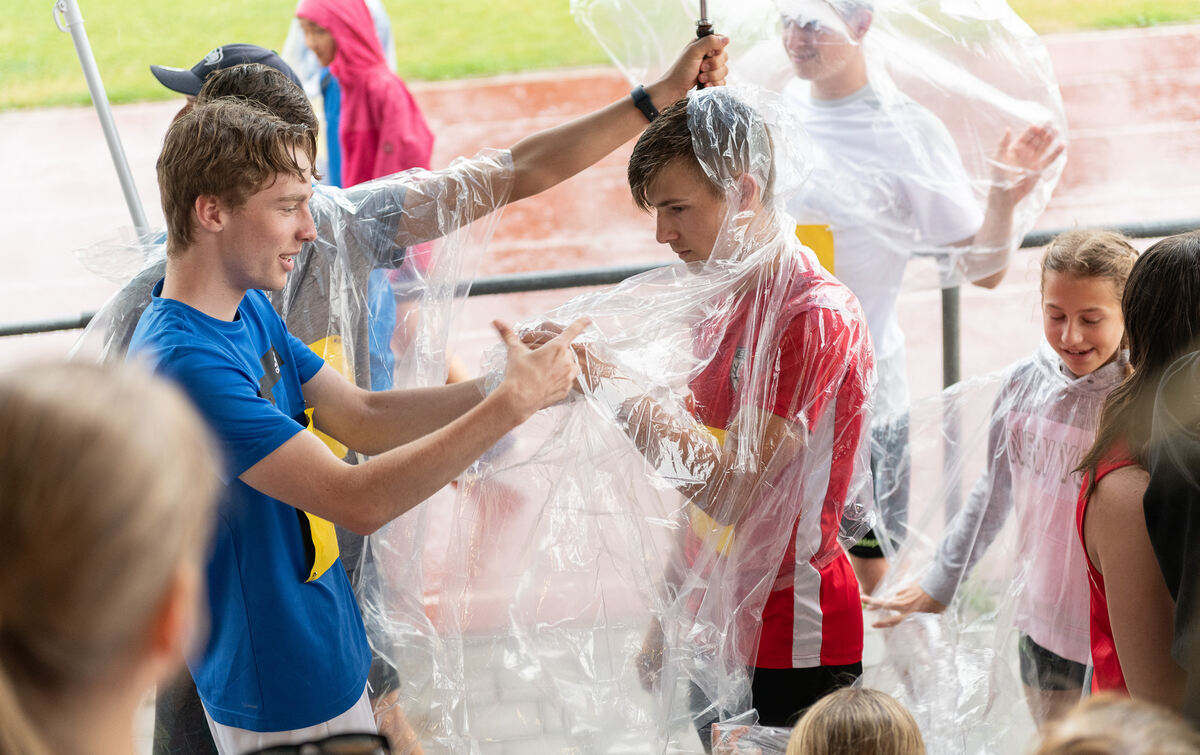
(718, 537)
(319, 532)
(819, 239)
(330, 349)
(323, 538)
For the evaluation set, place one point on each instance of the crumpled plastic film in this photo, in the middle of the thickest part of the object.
(991, 533)
(715, 445)
(123, 255)
(750, 740)
(644, 38)
(359, 229)
(911, 167)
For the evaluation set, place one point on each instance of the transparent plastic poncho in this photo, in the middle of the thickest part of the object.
(326, 304)
(910, 162)
(991, 533)
(714, 451)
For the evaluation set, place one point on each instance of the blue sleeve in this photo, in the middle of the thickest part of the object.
(248, 426)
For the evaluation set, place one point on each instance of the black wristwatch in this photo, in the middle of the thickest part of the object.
(643, 103)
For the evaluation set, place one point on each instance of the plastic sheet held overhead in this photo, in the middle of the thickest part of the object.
(609, 565)
(908, 105)
(991, 534)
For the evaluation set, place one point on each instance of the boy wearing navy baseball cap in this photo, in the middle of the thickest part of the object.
(188, 81)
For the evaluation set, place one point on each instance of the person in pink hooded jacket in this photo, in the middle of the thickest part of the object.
(382, 129)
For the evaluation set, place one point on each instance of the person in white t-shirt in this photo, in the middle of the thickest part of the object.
(889, 183)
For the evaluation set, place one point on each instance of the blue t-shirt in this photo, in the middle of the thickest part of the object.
(282, 654)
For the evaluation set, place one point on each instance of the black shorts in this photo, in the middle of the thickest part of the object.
(1046, 670)
(780, 695)
(868, 546)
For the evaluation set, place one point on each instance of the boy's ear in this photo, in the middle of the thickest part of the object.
(748, 193)
(209, 211)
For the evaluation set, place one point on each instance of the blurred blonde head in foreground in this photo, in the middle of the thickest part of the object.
(107, 484)
(856, 720)
(1110, 724)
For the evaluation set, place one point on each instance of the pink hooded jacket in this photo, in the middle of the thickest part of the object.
(382, 129)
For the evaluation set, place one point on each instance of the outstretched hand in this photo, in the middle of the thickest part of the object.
(592, 369)
(1018, 164)
(911, 599)
(543, 376)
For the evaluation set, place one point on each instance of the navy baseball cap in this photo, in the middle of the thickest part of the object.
(189, 80)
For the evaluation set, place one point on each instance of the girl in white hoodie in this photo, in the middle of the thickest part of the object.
(1043, 421)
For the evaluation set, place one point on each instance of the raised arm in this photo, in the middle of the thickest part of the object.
(362, 498)
(554, 155)
(437, 203)
(1016, 166)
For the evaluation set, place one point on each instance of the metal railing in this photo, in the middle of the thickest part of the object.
(549, 280)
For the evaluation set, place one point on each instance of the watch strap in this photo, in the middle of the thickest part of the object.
(643, 103)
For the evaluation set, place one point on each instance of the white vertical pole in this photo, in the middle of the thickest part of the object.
(69, 11)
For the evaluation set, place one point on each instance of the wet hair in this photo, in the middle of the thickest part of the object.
(856, 720)
(108, 480)
(668, 140)
(1110, 724)
(266, 87)
(1161, 307)
(665, 141)
(227, 148)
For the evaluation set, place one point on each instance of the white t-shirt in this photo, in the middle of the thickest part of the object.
(889, 183)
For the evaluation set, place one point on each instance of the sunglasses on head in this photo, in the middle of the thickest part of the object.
(338, 744)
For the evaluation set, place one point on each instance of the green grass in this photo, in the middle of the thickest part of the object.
(1047, 16)
(435, 39)
(455, 38)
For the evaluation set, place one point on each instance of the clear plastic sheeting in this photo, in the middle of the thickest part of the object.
(608, 566)
(750, 740)
(938, 128)
(644, 38)
(123, 255)
(380, 225)
(991, 534)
